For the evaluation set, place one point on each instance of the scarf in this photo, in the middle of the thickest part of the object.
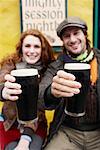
(85, 57)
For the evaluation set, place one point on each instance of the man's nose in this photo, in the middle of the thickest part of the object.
(72, 38)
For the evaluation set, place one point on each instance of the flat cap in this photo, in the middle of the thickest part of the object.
(71, 21)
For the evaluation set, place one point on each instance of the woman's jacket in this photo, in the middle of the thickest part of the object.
(9, 110)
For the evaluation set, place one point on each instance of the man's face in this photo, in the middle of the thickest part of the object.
(74, 40)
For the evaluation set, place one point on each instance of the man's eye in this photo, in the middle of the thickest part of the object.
(76, 33)
(66, 35)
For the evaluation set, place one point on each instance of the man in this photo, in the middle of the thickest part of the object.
(68, 132)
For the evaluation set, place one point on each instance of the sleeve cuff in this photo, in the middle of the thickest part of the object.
(1, 88)
(28, 131)
(50, 101)
(26, 137)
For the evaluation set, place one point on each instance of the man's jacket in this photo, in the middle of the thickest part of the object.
(59, 103)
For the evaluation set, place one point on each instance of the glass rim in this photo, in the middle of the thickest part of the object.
(77, 66)
(24, 72)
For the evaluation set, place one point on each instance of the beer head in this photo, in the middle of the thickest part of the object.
(76, 66)
(24, 72)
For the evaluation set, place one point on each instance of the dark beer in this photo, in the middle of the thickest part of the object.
(76, 104)
(27, 102)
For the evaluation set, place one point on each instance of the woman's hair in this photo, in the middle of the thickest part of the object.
(46, 52)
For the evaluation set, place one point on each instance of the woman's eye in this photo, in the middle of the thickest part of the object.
(27, 45)
(36, 46)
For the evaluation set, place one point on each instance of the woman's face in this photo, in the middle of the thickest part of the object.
(31, 49)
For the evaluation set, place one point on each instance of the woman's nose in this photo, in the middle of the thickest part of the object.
(31, 49)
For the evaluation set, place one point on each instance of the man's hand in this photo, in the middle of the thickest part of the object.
(11, 89)
(64, 85)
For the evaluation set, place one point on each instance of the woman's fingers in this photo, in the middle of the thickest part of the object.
(12, 85)
(9, 94)
(11, 89)
(10, 78)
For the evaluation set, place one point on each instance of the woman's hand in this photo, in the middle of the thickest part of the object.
(64, 85)
(22, 145)
(11, 89)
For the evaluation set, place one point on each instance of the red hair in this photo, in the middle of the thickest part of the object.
(46, 53)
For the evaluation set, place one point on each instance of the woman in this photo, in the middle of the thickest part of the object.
(32, 51)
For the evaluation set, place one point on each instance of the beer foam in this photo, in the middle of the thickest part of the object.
(76, 66)
(24, 72)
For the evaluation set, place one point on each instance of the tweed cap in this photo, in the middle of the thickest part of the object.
(70, 21)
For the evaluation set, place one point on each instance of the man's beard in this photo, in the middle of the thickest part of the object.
(74, 55)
